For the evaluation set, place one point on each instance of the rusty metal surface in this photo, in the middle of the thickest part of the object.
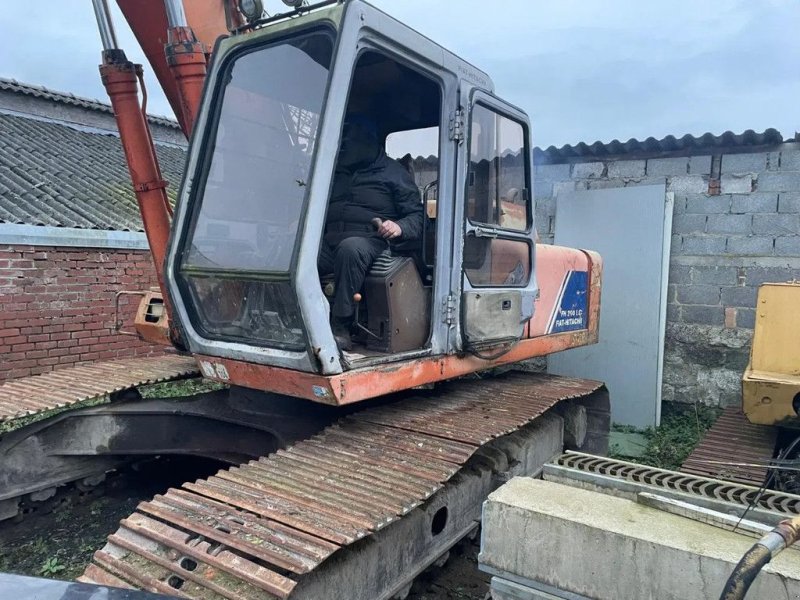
(65, 387)
(252, 531)
(731, 440)
(376, 381)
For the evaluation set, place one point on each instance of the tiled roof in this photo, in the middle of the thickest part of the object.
(669, 145)
(12, 85)
(65, 176)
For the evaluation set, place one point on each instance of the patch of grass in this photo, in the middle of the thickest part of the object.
(61, 517)
(68, 544)
(180, 388)
(38, 546)
(7, 426)
(682, 427)
(168, 389)
(625, 428)
(51, 567)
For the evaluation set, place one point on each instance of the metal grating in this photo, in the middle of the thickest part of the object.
(62, 388)
(730, 449)
(252, 531)
(714, 489)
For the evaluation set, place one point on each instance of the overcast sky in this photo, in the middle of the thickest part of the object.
(584, 70)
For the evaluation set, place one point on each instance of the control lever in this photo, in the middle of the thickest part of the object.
(376, 223)
(357, 299)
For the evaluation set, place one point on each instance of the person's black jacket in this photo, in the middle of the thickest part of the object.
(384, 189)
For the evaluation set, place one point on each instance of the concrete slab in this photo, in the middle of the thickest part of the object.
(605, 547)
(504, 589)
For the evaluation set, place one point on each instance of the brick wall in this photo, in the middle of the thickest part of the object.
(57, 306)
(736, 225)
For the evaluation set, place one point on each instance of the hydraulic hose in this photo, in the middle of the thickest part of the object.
(763, 551)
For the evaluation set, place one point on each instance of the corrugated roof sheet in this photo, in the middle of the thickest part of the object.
(650, 147)
(37, 91)
(63, 176)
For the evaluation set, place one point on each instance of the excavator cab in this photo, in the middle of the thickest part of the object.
(243, 261)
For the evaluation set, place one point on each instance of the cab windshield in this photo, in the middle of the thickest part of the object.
(260, 157)
(251, 191)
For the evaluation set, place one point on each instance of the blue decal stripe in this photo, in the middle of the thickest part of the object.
(571, 314)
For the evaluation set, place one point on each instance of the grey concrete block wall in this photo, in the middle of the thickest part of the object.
(618, 169)
(789, 161)
(789, 202)
(668, 166)
(745, 163)
(687, 184)
(700, 165)
(755, 202)
(737, 183)
(726, 242)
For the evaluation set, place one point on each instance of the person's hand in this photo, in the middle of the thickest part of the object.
(389, 230)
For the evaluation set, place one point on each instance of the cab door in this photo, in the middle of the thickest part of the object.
(498, 282)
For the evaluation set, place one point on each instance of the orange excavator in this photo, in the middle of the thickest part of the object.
(351, 471)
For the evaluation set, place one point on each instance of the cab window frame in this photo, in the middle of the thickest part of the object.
(387, 52)
(210, 132)
(476, 230)
(201, 173)
(526, 191)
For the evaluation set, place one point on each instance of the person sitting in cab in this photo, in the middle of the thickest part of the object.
(368, 188)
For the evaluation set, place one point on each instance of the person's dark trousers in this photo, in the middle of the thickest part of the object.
(349, 260)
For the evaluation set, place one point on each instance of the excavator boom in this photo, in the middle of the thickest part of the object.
(149, 21)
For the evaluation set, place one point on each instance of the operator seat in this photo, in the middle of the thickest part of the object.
(395, 308)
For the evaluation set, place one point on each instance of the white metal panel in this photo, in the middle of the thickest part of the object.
(631, 229)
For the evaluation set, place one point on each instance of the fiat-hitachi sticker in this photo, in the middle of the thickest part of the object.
(569, 311)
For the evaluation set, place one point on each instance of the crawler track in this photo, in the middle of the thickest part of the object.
(30, 396)
(36, 472)
(733, 449)
(261, 529)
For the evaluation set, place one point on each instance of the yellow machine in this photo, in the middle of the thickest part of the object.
(771, 383)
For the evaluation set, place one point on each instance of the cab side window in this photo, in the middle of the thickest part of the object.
(497, 194)
(497, 199)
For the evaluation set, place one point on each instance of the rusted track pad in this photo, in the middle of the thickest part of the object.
(253, 531)
(65, 387)
(733, 450)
